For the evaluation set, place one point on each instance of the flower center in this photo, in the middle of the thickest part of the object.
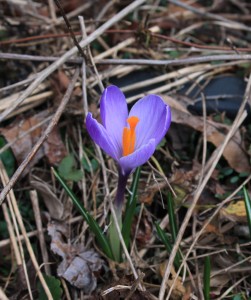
(129, 136)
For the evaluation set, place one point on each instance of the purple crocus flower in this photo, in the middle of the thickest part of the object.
(130, 139)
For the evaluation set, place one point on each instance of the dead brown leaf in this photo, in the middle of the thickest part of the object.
(79, 266)
(54, 148)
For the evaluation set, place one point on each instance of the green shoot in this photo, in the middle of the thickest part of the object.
(248, 208)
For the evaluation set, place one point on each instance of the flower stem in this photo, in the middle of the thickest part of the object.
(120, 195)
(118, 205)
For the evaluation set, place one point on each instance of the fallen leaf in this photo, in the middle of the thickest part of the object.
(79, 265)
(53, 147)
(235, 212)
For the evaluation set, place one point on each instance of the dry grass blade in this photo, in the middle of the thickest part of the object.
(37, 213)
(125, 61)
(5, 179)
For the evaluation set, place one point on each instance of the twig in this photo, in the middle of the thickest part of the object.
(54, 66)
(89, 60)
(146, 62)
(68, 24)
(52, 10)
(39, 143)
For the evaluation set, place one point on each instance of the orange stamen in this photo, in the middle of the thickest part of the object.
(129, 136)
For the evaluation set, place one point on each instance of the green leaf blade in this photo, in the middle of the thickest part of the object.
(130, 208)
(95, 228)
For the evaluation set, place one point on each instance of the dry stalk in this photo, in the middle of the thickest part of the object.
(52, 11)
(20, 83)
(89, 54)
(2, 295)
(30, 102)
(37, 214)
(12, 235)
(66, 290)
(204, 152)
(81, 155)
(123, 61)
(13, 240)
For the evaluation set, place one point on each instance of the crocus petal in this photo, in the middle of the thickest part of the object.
(155, 119)
(139, 157)
(101, 137)
(114, 112)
